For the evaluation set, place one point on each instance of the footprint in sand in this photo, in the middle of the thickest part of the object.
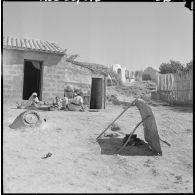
(58, 130)
(163, 186)
(108, 188)
(148, 163)
(71, 183)
(11, 178)
(154, 172)
(94, 173)
(178, 179)
(188, 130)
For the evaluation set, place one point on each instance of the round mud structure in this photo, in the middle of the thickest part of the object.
(28, 118)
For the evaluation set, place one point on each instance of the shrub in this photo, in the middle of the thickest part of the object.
(189, 66)
(171, 67)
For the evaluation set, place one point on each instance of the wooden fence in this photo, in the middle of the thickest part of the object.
(176, 88)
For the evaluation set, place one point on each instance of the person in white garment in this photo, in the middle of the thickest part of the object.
(33, 98)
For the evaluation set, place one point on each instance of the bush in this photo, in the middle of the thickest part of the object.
(146, 77)
(171, 67)
(189, 66)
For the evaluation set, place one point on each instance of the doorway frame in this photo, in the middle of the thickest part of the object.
(41, 76)
(103, 90)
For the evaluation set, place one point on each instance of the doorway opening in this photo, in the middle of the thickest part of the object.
(96, 93)
(119, 71)
(32, 78)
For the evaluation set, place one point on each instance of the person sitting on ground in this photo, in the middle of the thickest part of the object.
(76, 103)
(65, 102)
(57, 103)
(34, 99)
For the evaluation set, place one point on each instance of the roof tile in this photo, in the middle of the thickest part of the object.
(31, 45)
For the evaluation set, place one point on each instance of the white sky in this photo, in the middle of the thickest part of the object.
(135, 35)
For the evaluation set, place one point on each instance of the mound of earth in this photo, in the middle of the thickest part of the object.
(129, 91)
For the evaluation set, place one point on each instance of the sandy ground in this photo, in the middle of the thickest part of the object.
(80, 164)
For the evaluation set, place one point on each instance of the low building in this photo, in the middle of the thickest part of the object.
(31, 65)
(98, 83)
(117, 68)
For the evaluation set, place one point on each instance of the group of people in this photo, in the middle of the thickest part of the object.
(75, 103)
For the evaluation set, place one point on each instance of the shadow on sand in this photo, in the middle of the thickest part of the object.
(34, 108)
(176, 108)
(183, 109)
(110, 146)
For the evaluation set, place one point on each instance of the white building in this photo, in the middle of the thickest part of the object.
(120, 71)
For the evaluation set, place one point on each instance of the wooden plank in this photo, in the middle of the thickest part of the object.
(150, 127)
(115, 120)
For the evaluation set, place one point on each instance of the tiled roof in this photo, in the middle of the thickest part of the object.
(96, 68)
(27, 44)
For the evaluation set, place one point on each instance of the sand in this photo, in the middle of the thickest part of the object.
(80, 164)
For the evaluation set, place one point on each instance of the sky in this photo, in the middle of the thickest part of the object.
(134, 35)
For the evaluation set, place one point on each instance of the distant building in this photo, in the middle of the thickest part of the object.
(109, 80)
(152, 72)
(127, 75)
(131, 76)
(138, 75)
(120, 71)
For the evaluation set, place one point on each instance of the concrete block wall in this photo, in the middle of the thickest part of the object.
(56, 77)
(56, 74)
(12, 81)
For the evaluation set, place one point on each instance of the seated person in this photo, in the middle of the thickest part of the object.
(57, 103)
(32, 101)
(76, 103)
(65, 102)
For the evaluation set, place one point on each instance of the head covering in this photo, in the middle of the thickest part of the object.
(34, 94)
(80, 93)
(76, 90)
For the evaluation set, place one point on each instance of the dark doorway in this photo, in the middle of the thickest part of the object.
(96, 93)
(32, 78)
(119, 71)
